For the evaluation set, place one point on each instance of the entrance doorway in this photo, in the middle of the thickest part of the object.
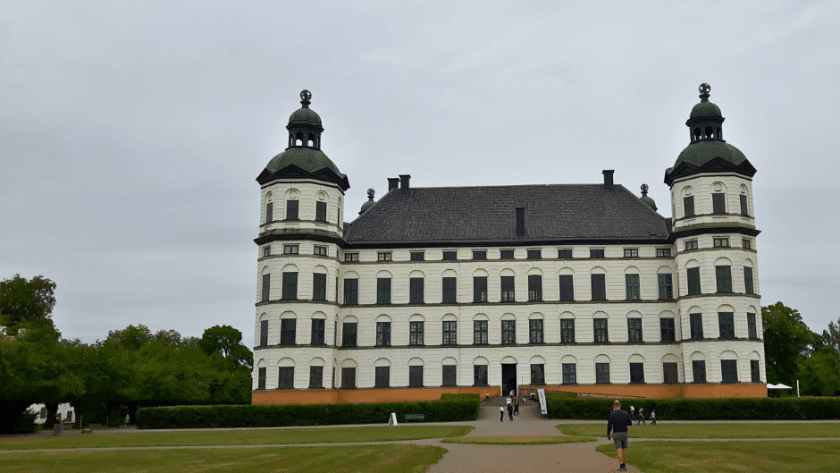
(508, 379)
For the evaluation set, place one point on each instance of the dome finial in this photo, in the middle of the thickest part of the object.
(704, 92)
(305, 95)
(371, 193)
(645, 190)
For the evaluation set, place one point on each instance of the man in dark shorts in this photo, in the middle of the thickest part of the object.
(617, 423)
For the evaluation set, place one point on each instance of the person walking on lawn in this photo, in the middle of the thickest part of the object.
(652, 417)
(617, 423)
(502, 413)
(510, 408)
(641, 416)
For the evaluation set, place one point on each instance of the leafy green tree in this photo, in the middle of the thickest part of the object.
(831, 337)
(786, 340)
(227, 341)
(819, 374)
(131, 337)
(27, 303)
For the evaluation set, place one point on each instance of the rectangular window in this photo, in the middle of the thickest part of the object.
(748, 280)
(415, 290)
(348, 334)
(286, 378)
(596, 253)
(383, 290)
(288, 329)
(382, 377)
(321, 211)
(744, 210)
(415, 334)
(534, 288)
(567, 288)
(599, 287)
(670, 373)
(634, 330)
(290, 286)
(383, 334)
(537, 374)
(696, 326)
(318, 331)
(348, 378)
(480, 375)
(320, 250)
(729, 371)
(480, 332)
(450, 375)
(351, 291)
(261, 378)
(291, 249)
(720, 242)
(450, 256)
(266, 287)
(567, 330)
(631, 252)
(755, 371)
(726, 323)
(480, 289)
(751, 327)
(415, 376)
(535, 330)
(450, 290)
(663, 252)
(746, 243)
(319, 287)
(666, 287)
(479, 254)
(384, 256)
(269, 212)
(631, 283)
(506, 254)
(263, 333)
(688, 206)
(691, 245)
(667, 330)
(508, 332)
(351, 257)
(693, 277)
(291, 210)
(718, 203)
(564, 253)
(508, 289)
(316, 377)
(600, 329)
(723, 275)
(534, 254)
(267, 250)
(569, 373)
(602, 373)
(698, 368)
(418, 256)
(450, 332)
(637, 373)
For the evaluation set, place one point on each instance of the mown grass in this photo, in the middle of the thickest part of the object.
(794, 456)
(336, 459)
(237, 437)
(518, 440)
(712, 430)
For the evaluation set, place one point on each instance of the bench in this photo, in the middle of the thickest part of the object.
(415, 416)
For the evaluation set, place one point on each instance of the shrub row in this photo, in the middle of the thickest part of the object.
(449, 410)
(809, 408)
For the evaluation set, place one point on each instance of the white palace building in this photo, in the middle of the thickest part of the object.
(569, 287)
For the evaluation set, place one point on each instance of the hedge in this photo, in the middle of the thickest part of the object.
(807, 408)
(455, 408)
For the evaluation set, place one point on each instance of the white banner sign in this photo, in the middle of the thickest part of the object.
(393, 419)
(543, 407)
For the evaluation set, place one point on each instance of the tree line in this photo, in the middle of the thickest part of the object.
(108, 379)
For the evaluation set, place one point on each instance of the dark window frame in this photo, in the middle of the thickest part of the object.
(602, 373)
(416, 333)
(755, 371)
(729, 371)
(634, 330)
(261, 378)
(691, 245)
(450, 332)
(507, 254)
(565, 253)
(290, 286)
(321, 212)
(666, 286)
(597, 253)
(692, 276)
(384, 256)
(348, 378)
(319, 287)
(263, 333)
(637, 373)
(508, 288)
(318, 330)
(292, 210)
(631, 252)
(534, 254)
(744, 207)
(601, 334)
(351, 291)
(269, 212)
(535, 293)
(719, 203)
(449, 255)
(726, 325)
(415, 376)
(266, 287)
(599, 287)
(479, 289)
(383, 291)
(508, 332)
(316, 377)
(291, 249)
(696, 324)
(449, 290)
(567, 288)
(288, 332)
(567, 330)
(752, 327)
(349, 334)
(286, 377)
(633, 287)
(667, 330)
(749, 284)
(416, 290)
(383, 334)
(569, 373)
(698, 371)
(537, 374)
(723, 278)
(670, 372)
(479, 255)
(480, 377)
(449, 376)
(688, 206)
(382, 377)
(481, 332)
(417, 256)
(535, 331)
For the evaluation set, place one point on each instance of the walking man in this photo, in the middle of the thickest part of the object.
(641, 416)
(652, 417)
(502, 414)
(510, 408)
(617, 423)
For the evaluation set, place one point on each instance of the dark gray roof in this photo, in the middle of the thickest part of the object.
(440, 216)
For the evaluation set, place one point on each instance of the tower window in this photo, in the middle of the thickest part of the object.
(450, 256)
(693, 277)
(718, 203)
(534, 254)
(479, 254)
(291, 249)
(631, 252)
(418, 256)
(690, 245)
(744, 210)
(720, 242)
(663, 252)
(385, 256)
(667, 331)
(269, 212)
(506, 254)
(565, 253)
(321, 211)
(596, 253)
(320, 250)
(351, 257)
(292, 210)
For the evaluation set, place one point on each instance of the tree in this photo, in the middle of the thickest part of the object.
(820, 373)
(786, 340)
(227, 341)
(831, 337)
(27, 303)
(131, 337)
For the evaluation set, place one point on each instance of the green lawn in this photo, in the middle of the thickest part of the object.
(338, 459)
(803, 456)
(238, 437)
(518, 440)
(711, 431)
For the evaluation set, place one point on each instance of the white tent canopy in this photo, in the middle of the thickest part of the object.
(778, 386)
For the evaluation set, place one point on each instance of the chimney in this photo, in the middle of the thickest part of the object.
(404, 181)
(608, 177)
(520, 221)
(393, 183)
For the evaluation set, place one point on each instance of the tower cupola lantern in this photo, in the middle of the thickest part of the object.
(305, 125)
(705, 121)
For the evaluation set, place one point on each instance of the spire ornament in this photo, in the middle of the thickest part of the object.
(704, 92)
(371, 193)
(305, 95)
(644, 190)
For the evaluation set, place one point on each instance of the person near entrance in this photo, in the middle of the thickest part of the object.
(617, 423)
(501, 414)
(510, 407)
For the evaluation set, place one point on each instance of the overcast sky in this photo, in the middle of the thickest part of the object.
(131, 133)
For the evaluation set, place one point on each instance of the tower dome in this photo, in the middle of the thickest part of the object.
(645, 199)
(370, 203)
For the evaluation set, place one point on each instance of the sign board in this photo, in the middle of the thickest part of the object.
(393, 419)
(543, 407)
